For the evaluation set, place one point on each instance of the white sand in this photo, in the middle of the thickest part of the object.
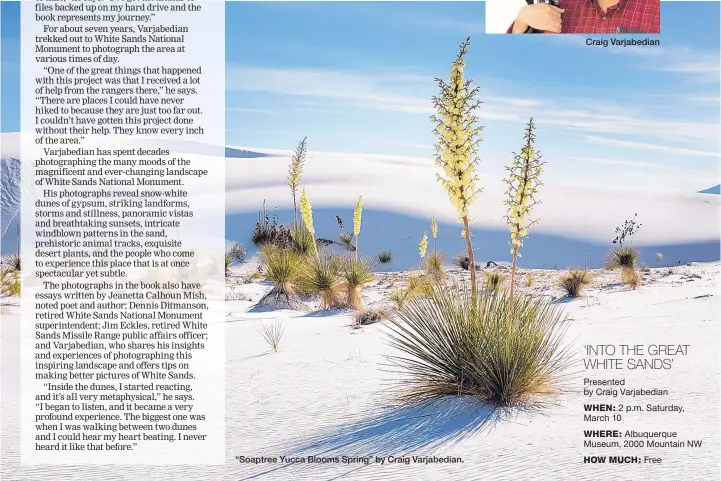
(325, 393)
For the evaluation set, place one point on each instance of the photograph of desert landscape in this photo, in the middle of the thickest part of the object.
(427, 227)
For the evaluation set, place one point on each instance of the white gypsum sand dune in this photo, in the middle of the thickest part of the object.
(326, 393)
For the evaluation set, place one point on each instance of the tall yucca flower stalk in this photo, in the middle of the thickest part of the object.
(294, 174)
(306, 212)
(357, 215)
(423, 245)
(434, 231)
(457, 132)
(523, 182)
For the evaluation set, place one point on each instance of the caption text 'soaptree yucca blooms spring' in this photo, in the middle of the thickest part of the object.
(523, 182)
(295, 172)
(457, 132)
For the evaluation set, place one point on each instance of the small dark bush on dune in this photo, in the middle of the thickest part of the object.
(462, 261)
(502, 351)
(573, 282)
(385, 257)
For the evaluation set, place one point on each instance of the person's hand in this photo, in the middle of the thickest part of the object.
(540, 16)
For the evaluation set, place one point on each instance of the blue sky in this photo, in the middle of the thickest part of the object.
(357, 77)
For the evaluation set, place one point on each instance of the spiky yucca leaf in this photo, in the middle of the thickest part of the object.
(302, 241)
(574, 281)
(272, 333)
(506, 355)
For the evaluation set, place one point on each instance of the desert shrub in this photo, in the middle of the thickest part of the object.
(574, 281)
(321, 275)
(493, 281)
(283, 267)
(270, 231)
(631, 277)
(398, 296)
(433, 265)
(356, 273)
(370, 316)
(238, 253)
(502, 351)
(529, 280)
(385, 257)
(659, 257)
(272, 333)
(462, 261)
(622, 257)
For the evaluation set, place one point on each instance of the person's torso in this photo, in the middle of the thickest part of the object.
(585, 16)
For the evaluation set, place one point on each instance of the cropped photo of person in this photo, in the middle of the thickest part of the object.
(588, 17)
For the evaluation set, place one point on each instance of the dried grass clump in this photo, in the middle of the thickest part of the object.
(574, 281)
(433, 266)
(370, 316)
(493, 281)
(631, 277)
(272, 333)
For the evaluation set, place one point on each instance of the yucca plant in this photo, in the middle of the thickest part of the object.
(356, 273)
(272, 333)
(12, 261)
(523, 182)
(457, 133)
(228, 262)
(295, 172)
(283, 267)
(322, 276)
(575, 281)
(385, 257)
(493, 281)
(433, 266)
(622, 258)
(529, 280)
(503, 354)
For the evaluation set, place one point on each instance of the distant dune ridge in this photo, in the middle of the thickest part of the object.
(716, 189)
(401, 194)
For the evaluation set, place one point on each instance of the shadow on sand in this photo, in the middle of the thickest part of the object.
(410, 430)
